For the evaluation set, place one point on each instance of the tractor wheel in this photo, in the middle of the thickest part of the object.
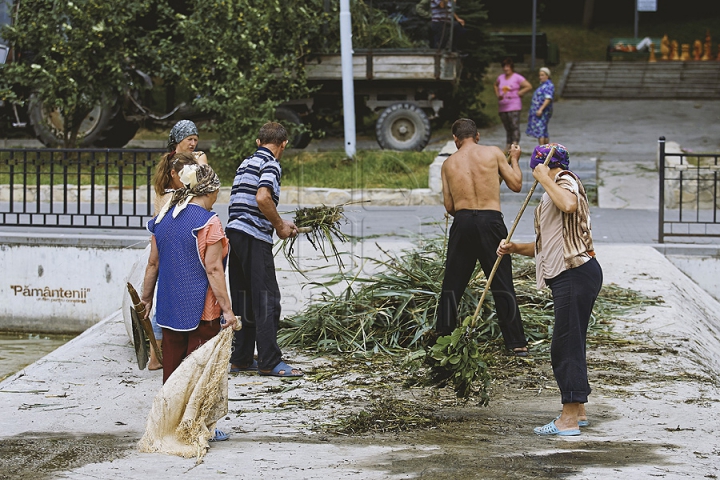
(403, 126)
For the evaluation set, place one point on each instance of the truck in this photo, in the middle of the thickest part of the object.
(405, 88)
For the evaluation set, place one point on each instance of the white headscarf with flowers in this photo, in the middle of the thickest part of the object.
(198, 180)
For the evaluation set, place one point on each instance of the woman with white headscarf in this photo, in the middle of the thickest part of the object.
(541, 108)
(187, 259)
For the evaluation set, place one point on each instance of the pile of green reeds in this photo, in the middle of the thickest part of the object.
(393, 311)
(321, 226)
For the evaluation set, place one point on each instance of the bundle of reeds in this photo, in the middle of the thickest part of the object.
(321, 226)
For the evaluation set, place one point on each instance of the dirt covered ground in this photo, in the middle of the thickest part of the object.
(653, 413)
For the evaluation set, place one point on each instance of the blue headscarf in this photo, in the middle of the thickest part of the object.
(560, 158)
(180, 131)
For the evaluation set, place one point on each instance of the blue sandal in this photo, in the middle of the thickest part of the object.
(282, 367)
(551, 429)
(220, 436)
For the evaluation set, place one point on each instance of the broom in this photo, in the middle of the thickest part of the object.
(457, 357)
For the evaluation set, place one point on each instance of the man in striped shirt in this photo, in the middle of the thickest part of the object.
(253, 284)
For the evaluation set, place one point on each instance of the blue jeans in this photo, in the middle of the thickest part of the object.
(574, 293)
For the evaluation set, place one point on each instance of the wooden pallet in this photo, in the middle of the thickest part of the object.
(668, 80)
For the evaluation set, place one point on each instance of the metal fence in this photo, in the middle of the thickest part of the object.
(688, 194)
(89, 188)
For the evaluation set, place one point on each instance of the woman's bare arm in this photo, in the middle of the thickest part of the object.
(216, 277)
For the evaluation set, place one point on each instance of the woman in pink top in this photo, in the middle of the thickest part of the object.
(509, 88)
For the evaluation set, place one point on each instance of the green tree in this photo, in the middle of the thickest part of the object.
(242, 59)
(75, 55)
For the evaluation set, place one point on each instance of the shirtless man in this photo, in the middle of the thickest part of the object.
(471, 193)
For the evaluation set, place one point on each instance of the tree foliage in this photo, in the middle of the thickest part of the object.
(238, 59)
(242, 59)
(75, 54)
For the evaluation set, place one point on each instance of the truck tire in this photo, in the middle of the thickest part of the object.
(287, 115)
(105, 126)
(403, 126)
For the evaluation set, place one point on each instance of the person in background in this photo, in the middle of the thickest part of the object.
(509, 89)
(442, 19)
(541, 108)
(183, 138)
(253, 217)
(565, 261)
(471, 194)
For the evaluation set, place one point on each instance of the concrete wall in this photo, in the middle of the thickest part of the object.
(699, 262)
(63, 285)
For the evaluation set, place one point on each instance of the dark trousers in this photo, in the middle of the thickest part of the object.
(178, 345)
(511, 122)
(255, 297)
(475, 235)
(441, 35)
(574, 292)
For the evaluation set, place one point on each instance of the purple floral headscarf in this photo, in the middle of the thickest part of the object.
(560, 158)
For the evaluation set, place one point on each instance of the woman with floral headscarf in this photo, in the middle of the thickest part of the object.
(565, 261)
(166, 181)
(187, 259)
(184, 138)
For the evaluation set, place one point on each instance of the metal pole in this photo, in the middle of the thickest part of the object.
(534, 31)
(661, 207)
(452, 24)
(637, 18)
(347, 77)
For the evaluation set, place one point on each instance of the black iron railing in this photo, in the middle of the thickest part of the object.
(688, 194)
(103, 188)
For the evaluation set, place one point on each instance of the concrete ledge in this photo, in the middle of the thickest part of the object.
(375, 196)
(136, 239)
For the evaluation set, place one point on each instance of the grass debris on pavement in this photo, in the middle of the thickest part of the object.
(392, 313)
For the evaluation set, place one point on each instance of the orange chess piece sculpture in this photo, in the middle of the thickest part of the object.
(674, 54)
(707, 47)
(685, 55)
(652, 58)
(665, 48)
(697, 50)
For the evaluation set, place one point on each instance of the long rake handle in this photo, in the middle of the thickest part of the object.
(507, 240)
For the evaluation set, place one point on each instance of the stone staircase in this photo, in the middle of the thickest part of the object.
(585, 168)
(641, 80)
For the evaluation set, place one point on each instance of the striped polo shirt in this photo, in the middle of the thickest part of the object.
(439, 13)
(261, 169)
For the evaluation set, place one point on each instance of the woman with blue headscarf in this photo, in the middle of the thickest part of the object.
(565, 262)
(184, 138)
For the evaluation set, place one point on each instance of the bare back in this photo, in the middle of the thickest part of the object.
(470, 177)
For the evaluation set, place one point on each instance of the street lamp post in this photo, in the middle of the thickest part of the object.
(534, 31)
(348, 88)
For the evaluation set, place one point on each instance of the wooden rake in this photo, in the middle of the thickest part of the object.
(507, 240)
